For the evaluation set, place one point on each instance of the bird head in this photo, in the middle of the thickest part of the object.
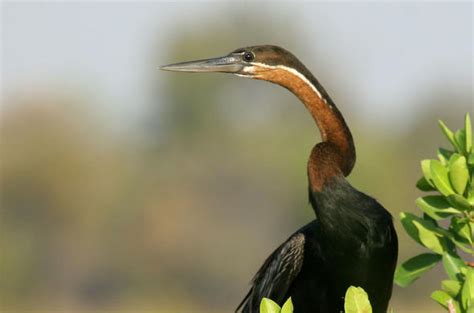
(264, 62)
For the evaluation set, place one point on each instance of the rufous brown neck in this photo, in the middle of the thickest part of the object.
(335, 155)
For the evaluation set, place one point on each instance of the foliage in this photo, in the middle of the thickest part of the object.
(269, 306)
(446, 226)
(356, 301)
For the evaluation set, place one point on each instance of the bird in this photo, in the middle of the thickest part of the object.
(352, 240)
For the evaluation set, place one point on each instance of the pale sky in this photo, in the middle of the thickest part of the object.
(391, 54)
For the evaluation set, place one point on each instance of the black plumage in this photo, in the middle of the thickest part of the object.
(352, 242)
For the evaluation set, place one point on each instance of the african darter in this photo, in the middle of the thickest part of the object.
(352, 241)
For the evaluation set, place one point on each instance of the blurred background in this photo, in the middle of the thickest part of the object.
(127, 188)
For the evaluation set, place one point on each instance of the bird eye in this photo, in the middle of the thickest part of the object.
(248, 56)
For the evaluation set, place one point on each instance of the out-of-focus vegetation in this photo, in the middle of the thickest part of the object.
(452, 178)
(180, 212)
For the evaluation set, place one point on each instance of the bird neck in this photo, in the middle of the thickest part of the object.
(335, 155)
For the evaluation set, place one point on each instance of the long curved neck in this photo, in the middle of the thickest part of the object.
(335, 155)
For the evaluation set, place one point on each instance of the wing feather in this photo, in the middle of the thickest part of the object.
(276, 274)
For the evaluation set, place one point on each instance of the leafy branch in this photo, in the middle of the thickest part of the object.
(446, 225)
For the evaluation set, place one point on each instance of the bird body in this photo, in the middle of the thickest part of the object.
(352, 241)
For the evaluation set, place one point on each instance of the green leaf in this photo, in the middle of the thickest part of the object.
(469, 310)
(423, 185)
(356, 301)
(467, 293)
(436, 207)
(452, 287)
(444, 155)
(458, 173)
(413, 268)
(430, 238)
(470, 192)
(445, 300)
(439, 174)
(442, 158)
(457, 308)
(452, 265)
(468, 128)
(441, 297)
(429, 220)
(449, 134)
(460, 137)
(471, 226)
(470, 160)
(425, 168)
(453, 239)
(407, 222)
(424, 232)
(269, 306)
(460, 227)
(287, 306)
(459, 202)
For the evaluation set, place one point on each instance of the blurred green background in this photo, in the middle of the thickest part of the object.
(126, 188)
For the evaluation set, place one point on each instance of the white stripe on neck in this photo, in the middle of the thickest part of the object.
(288, 69)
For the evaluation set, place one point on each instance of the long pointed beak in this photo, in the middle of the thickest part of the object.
(226, 64)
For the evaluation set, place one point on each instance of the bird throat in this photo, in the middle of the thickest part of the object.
(335, 155)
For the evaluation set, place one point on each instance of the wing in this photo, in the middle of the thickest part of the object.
(276, 274)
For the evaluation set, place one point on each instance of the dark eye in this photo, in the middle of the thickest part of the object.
(248, 56)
